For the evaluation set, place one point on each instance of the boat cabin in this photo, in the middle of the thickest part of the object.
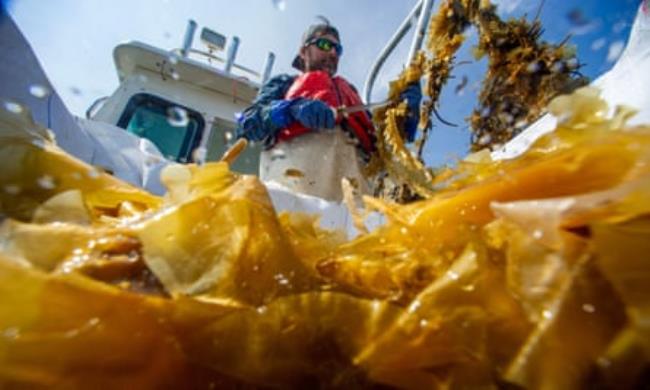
(185, 100)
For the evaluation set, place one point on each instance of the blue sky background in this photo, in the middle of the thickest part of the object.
(74, 40)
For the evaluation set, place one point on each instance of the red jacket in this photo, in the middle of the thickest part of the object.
(336, 92)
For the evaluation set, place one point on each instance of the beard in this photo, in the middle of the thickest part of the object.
(326, 64)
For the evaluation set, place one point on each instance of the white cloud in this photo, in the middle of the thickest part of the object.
(615, 51)
(507, 6)
(598, 44)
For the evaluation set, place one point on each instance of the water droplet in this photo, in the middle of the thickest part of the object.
(485, 139)
(423, 323)
(39, 91)
(547, 314)
(13, 107)
(12, 189)
(277, 154)
(414, 306)
(261, 309)
(557, 67)
(603, 362)
(404, 231)
(200, 154)
(46, 182)
(76, 91)
(280, 5)
(39, 143)
(177, 116)
(256, 268)
(572, 63)
(281, 279)
(588, 308)
(538, 234)
(507, 118)
(619, 26)
(11, 333)
(173, 59)
(93, 173)
(615, 51)
(229, 136)
(453, 275)
(469, 288)
(175, 75)
(521, 124)
(533, 67)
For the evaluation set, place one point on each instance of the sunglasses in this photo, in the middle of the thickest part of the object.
(325, 44)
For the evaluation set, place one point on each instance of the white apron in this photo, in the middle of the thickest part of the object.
(314, 164)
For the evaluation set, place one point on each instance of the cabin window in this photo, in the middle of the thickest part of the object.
(222, 137)
(176, 130)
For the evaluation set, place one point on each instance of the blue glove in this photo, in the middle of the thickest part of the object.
(313, 114)
(280, 113)
(413, 96)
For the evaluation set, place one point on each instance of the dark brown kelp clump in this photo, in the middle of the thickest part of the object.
(524, 74)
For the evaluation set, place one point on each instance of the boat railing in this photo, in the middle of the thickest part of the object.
(421, 11)
(216, 42)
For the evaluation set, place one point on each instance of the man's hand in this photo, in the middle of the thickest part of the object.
(413, 96)
(313, 114)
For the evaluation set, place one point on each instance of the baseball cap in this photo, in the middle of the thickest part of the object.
(315, 30)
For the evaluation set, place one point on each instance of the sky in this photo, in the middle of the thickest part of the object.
(74, 40)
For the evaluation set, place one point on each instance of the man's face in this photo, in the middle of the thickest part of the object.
(318, 59)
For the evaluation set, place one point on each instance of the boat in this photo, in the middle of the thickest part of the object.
(171, 106)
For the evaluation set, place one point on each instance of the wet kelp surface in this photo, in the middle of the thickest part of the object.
(530, 272)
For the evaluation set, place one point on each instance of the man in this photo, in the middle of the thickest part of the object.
(308, 146)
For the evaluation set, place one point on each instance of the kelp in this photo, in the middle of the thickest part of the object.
(524, 74)
(529, 272)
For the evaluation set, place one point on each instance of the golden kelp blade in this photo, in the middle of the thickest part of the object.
(68, 331)
(462, 321)
(72, 332)
(297, 341)
(222, 241)
(438, 228)
(623, 258)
